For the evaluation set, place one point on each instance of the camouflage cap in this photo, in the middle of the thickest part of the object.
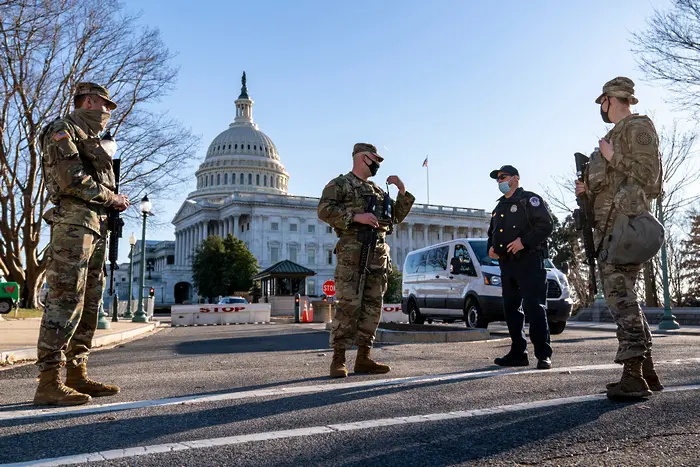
(82, 89)
(366, 147)
(619, 87)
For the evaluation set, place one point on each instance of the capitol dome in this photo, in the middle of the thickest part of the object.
(241, 158)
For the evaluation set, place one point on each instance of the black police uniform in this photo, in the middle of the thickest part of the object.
(523, 276)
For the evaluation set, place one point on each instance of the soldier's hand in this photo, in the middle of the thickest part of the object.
(366, 218)
(606, 149)
(580, 188)
(492, 254)
(395, 180)
(515, 246)
(121, 203)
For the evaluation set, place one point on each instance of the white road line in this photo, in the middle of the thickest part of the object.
(315, 430)
(294, 390)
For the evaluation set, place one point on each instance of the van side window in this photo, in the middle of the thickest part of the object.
(415, 263)
(437, 259)
(462, 254)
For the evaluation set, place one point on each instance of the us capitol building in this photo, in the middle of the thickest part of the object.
(242, 190)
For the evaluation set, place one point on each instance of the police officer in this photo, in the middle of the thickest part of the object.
(621, 179)
(80, 183)
(520, 225)
(345, 206)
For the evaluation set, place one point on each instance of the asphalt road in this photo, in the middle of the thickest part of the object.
(260, 395)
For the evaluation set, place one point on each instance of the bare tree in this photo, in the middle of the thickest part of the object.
(45, 49)
(668, 51)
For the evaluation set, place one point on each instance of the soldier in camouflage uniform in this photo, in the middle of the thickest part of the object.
(343, 206)
(80, 183)
(622, 177)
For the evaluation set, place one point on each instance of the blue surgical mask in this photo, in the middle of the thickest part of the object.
(504, 186)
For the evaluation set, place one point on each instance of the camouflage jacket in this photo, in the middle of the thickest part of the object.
(634, 174)
(345, 196)
(78, 175)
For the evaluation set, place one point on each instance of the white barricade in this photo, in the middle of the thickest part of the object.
(234, 313)
(391, 313)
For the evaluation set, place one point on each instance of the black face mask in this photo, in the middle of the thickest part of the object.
(373, 167)
(604, 113)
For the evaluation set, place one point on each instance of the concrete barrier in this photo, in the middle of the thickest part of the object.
(391, 313)
(211, 314)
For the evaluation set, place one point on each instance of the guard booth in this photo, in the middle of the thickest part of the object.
(280, 283)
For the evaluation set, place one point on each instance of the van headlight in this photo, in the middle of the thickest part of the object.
(492, 279)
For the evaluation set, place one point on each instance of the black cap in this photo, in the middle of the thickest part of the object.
(509, 169)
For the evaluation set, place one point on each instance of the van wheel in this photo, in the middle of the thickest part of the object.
(414, 316)
(473, 316)
(557, 327)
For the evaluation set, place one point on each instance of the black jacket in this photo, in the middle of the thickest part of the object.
(524, 215)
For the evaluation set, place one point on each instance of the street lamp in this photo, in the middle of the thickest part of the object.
(132, 243)
(668, 321)
(140, 316)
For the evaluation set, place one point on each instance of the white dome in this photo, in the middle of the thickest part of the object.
(238, 139)
(241, 159)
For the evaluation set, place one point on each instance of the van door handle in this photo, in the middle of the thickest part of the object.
(452, 277)
(437, 277)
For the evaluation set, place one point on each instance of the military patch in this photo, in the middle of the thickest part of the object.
(535, 201)
(60, 135)
(644, 138)
(514, 208)
(329, 185)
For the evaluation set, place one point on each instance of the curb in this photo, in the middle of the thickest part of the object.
(689, 331)
(388, 336)
(9, 357)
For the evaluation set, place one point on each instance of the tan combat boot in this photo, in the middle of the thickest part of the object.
(364, 364)
(338, 368)
(632, 385)
(649, 375)
(51, 391)
(77, 379)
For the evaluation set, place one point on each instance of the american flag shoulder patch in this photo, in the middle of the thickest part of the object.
(60, 135)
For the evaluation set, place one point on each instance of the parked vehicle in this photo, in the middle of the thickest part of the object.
(456, 280)
(9, 297)
(226, 300)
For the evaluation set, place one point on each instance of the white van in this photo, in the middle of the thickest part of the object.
(457, 280)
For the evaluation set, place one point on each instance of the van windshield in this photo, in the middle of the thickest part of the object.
(479, 247)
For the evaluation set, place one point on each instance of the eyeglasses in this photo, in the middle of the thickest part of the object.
(503, 177)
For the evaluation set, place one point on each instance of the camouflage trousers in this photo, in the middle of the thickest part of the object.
(75, 276)
(633, 332)
(357, 313)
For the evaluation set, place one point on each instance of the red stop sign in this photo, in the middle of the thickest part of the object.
(329, 288)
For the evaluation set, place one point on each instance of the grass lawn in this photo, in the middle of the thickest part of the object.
(24, 313)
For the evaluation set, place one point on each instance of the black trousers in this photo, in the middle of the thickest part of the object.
(524, 280)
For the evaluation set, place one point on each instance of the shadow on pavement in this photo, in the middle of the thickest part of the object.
(520, 428)
(272, 343)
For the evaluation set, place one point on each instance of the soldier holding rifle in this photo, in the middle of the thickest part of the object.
(362, 215)
(619, 181)
(80, 181)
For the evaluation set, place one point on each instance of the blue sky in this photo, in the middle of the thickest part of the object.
(473, 85)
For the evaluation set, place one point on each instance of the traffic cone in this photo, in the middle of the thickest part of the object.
(311, 312)
(305, 314)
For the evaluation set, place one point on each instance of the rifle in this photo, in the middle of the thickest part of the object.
(368, 236)
(583, 221)
(114, 221)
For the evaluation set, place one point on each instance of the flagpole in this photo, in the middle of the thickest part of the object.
(427, 177)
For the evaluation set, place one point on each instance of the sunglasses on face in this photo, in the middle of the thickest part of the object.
(503, 177)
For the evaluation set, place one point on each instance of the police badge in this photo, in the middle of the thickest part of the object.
(514, 208)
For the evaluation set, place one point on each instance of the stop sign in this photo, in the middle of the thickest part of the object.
(329, 288)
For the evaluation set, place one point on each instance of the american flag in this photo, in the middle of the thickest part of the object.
(425, 162)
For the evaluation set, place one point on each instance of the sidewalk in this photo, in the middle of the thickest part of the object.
(685, 330)
(18, 337)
